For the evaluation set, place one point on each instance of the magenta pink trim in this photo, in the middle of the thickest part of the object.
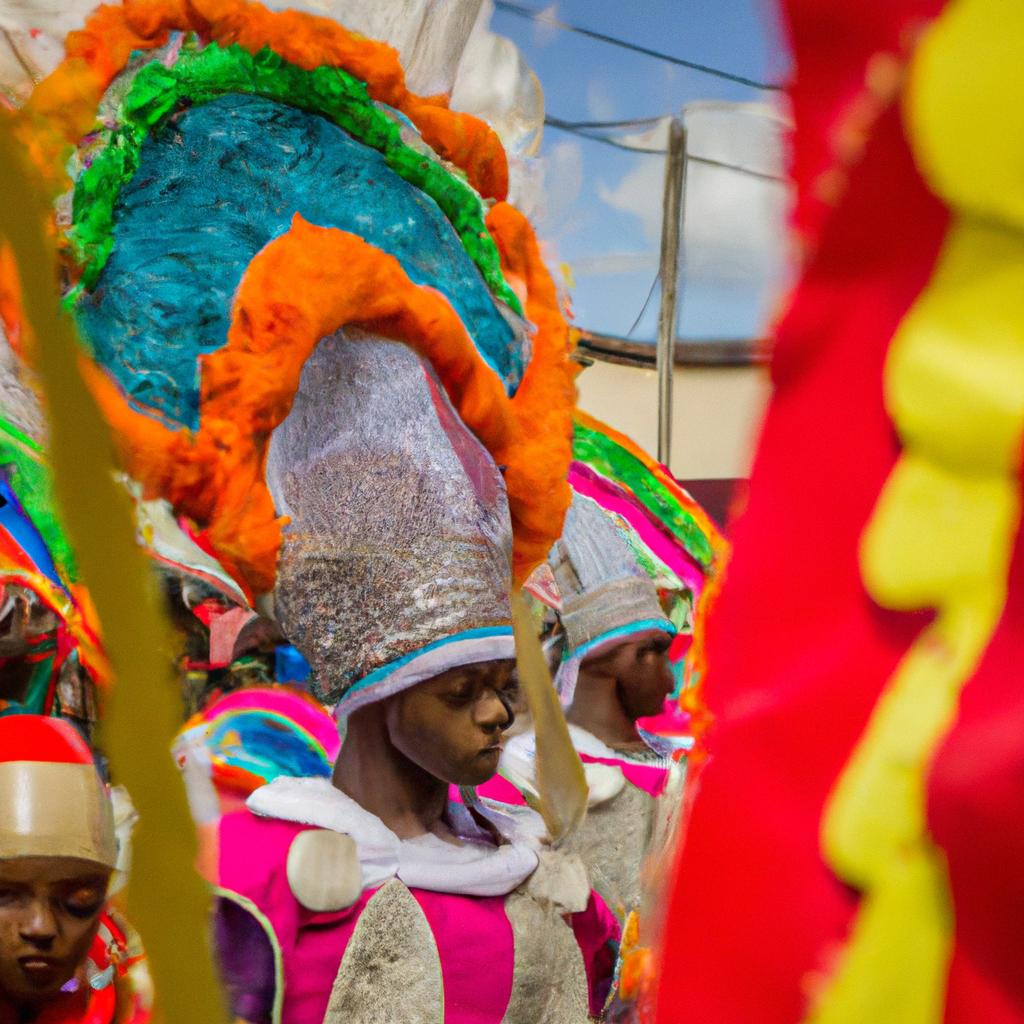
(502, 791)
(614, 499)
(648, 777)
(597, 933)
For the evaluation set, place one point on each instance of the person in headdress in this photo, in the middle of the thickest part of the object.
(264, 202)
(612, 639)
(395, 579)
(65, 956)
(51, 660)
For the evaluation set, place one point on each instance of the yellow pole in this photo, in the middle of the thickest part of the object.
(167, 902)
(560, 778)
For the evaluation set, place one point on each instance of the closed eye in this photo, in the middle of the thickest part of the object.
(84, 900)
(462, 693)
(9, 895)
(510, 691)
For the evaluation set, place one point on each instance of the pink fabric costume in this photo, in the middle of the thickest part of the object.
(475, 939)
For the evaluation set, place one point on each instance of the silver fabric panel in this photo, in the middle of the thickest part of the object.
(599, 581)
(391, 971)
(549, 983)
(400, 533)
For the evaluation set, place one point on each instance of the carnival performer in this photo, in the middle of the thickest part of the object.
(326, 340)
(51, 661)
(64, 953)
(614, 640)
(374, 885)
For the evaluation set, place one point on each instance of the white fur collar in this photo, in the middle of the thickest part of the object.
(604, 781)
(524, 746)
(470, 866)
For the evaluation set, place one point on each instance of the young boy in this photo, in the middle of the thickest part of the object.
(63, 954)
(614, 670)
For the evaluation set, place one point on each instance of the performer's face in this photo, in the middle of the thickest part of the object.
(642, 672)
(49, 912)
(452, 725)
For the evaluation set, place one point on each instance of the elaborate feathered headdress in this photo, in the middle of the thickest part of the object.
(245, 182)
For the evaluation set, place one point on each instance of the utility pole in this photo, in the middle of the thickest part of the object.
(673, 209)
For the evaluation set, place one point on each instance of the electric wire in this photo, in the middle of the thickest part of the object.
(532, 14)
(582, 129)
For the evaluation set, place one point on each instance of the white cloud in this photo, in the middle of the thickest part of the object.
(545, 31)
(602, 104)
(640, 193)
(557, 209)
(735, 223)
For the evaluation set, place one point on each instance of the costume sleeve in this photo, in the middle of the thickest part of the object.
(597, 932)
(256, 918)
(245, 956)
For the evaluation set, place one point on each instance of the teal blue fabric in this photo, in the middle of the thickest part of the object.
(216, 183)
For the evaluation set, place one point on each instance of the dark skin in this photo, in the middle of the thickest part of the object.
(618, 686)
(49, 912)
(401, 754)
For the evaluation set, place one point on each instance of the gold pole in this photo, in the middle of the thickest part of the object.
(167, 902)
(560, 779)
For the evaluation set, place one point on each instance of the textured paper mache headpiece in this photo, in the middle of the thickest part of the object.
(397, 558)
(246, 182)
(52, 802)
(604, 593)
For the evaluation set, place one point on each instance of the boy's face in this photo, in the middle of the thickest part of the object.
(452, 725)
(642, 672)
(49, 912)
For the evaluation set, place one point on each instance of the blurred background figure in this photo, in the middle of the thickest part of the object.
(66, 956)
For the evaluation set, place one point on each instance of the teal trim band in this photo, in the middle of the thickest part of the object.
(381, 674)
(642, 626)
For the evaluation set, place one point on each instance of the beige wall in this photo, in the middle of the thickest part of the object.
(716, 413)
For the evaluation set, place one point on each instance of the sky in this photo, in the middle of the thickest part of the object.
(601, 213)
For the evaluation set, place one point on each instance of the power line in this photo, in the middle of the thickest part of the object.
(583, 129)
(30, 72)
(636, 122)
(750, 172)
(708, 162)
(532, 14)
(584, 133)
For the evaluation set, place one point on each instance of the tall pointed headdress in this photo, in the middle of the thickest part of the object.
(247, 182)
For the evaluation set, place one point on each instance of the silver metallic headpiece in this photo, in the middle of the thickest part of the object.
(604, 592)
(396, 564)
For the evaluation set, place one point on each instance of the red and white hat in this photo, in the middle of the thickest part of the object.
(52, 800)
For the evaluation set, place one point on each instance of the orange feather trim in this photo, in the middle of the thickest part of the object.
(539, 492)
(62, 109)
(10, 299)
(300, 288)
